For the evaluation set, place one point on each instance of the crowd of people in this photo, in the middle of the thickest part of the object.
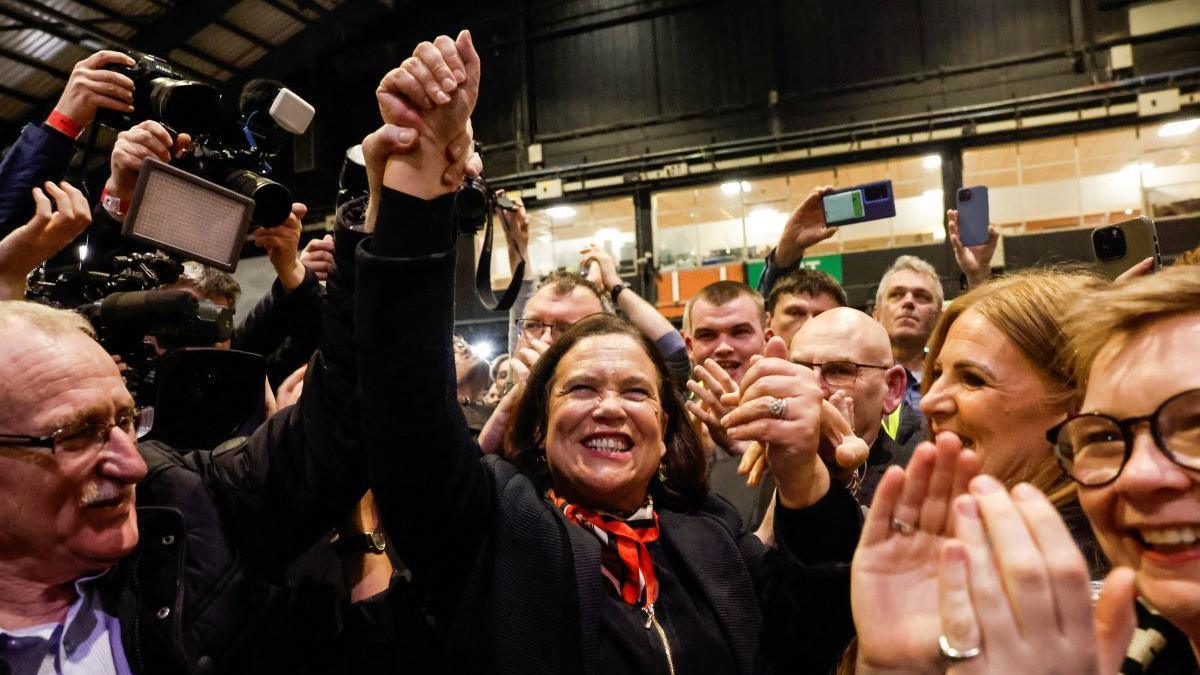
(1008, 482)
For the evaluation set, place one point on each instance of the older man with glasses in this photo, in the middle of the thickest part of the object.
(120, 557)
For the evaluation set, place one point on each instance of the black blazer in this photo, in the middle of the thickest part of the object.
(516, 585)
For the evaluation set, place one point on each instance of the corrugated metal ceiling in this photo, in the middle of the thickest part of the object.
(40, 40)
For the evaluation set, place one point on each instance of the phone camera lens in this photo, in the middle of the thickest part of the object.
(964, 195)
(1109, 243)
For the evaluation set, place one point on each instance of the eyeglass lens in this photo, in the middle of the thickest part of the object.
(1095, 446)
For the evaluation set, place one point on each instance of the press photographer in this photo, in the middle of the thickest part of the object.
(43, 151)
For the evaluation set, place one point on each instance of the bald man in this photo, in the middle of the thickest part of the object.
(852, 353)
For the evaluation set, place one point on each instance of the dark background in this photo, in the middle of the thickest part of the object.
(631, 83)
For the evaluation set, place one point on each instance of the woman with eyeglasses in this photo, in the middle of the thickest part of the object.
(592, 545)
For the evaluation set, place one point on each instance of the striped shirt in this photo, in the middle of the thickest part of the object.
(88, 642)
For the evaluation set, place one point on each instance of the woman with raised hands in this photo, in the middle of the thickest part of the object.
(591, 545)
(954, 573)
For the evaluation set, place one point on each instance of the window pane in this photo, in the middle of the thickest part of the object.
(558, 233)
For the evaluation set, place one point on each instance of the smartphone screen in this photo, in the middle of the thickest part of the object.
(843, 206)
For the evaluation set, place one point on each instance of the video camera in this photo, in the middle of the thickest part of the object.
(201, 396)
(231, 158)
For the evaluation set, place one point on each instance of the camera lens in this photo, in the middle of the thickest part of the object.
(1109, 243)
(964, 195)
(272, 201)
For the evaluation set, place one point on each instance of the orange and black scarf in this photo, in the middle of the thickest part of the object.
(624, 558)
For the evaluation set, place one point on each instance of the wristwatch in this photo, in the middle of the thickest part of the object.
(616, 290)
(372, 542)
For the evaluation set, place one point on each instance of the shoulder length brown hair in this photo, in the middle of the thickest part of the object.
(684, 466)
(1028, 307)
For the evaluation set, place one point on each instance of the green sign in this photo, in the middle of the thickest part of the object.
(829, 264)
(754, 271)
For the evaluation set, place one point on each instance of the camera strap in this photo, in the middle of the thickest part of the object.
(483, 276)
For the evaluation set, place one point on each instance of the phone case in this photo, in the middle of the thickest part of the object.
(858, 204)
(973, 216)
(1141, 242)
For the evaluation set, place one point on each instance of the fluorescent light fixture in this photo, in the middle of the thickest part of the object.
(560, 212)
(1129, 212)
(484, 349)
(733, 187)
(1179, 127)
(931, 162)
(1136, 168)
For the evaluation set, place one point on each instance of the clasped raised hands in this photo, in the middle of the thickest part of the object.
(433, 91)
(426, 107)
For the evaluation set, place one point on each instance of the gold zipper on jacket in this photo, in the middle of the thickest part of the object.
(648, 610)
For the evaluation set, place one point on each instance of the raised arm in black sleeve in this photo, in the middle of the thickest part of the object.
(432, 490)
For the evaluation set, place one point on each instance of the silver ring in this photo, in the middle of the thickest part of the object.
(953, 655)
(777, 407)
(903, 527)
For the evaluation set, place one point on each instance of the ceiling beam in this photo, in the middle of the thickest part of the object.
(35, 13)
(290, 11)
(34, 63)
(322, 36)
(19, 95)
(183, 20)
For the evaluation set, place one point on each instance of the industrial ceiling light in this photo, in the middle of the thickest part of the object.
(1179, 127)
(560, 212)
(931, 162)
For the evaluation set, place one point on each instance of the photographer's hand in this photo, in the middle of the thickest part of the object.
(281, 243)
(91, 87)
(50, 229)
(133, 146)
(318, 256)
(516, 230)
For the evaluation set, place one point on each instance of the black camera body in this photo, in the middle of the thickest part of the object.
(474, 203)
(175, 318)
(163, 95)
(235, 155)
(75, 287)
(241, 169)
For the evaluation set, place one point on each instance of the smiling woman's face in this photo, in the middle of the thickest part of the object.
(604, 431)
(985, 390)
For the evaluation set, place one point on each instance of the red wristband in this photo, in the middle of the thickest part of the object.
(112, 204)
(65, 124)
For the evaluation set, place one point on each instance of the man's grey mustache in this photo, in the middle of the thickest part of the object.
(104, 491)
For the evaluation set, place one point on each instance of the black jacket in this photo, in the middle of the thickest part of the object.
(283, 326)
(219, 527)
(519, 587)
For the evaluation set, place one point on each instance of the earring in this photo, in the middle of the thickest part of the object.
(662, 473)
